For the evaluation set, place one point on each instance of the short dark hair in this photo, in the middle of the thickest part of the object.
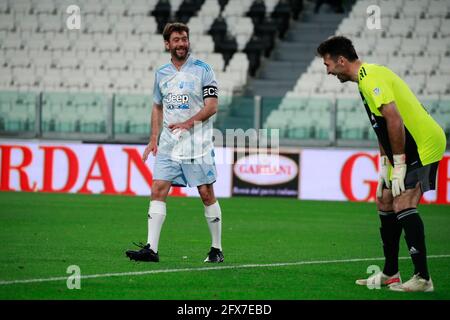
(338, 46)
(174, 27)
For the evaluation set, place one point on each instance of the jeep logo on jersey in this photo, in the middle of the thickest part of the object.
(177, 98)
(177, 101)
(266, 169)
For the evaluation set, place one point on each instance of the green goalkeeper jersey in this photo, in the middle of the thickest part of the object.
(425, 140)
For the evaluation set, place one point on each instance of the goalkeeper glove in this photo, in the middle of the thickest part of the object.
(383, 178)
(398, 174)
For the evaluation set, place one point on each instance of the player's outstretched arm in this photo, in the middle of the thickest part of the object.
(157, 115)
(396, 132)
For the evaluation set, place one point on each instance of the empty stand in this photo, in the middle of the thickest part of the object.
(413, 42)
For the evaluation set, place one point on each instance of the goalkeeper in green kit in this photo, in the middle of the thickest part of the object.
(411, 146)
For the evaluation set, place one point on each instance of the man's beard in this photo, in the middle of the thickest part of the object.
(343, 78)
(180, 57)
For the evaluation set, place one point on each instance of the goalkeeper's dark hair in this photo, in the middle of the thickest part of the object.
(174, 27)
(338, 46)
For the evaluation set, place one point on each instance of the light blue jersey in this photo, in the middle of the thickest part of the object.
(181, 95)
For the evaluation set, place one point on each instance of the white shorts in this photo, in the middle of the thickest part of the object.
(183, 173)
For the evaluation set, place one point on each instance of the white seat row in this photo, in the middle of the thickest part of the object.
(87, 7)
(403, 8)
(405, 27)
(117, 47)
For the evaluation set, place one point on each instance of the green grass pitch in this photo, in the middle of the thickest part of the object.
(268, 244)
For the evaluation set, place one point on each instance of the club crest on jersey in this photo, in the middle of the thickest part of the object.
(186, 84)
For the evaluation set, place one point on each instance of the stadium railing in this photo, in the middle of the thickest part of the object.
(301, 121)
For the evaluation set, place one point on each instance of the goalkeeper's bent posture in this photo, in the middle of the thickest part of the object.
(411, 146)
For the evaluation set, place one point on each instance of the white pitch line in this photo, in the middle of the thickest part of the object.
(268, 265)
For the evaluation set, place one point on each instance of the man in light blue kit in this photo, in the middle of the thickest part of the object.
(185, 97)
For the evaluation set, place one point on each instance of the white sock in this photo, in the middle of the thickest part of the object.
(156, 217)
(213, 216)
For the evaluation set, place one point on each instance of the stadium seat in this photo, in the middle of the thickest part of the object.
(12, 42)
(6, 79)
(353, 126)
(290, 102)
(414, 9)
(413, 47)
(44, 7)
(400, 60)
(20, 60)
(427, 27)
(76, 81)
(66, 62)
(91, 110)
(425, 65)
(140, 7)
(202, 44)
(124, 26)
(391, 8)
(17, 111)
(21, 6)
(236, 8)
(316, 66)
(416, 83)
(145, 25)
(359, 9)
(388, 46)
(116, 8)
(216, 61)
(94, 8)
(97, 24)
(438, 9)
(438, 84)
(330, 84)
(108, 43)
(306, 87)
(125, 83)
(351, 27)
(444, 31)
(438, 47)
(50, 23)
(444, 66)
(363, 46)
(59, 42)
(130, 44)
(79, 112)
(4, 7)
(101, 83)
(6, 22)
(26, 22)
(132, 114)
(401, 27)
